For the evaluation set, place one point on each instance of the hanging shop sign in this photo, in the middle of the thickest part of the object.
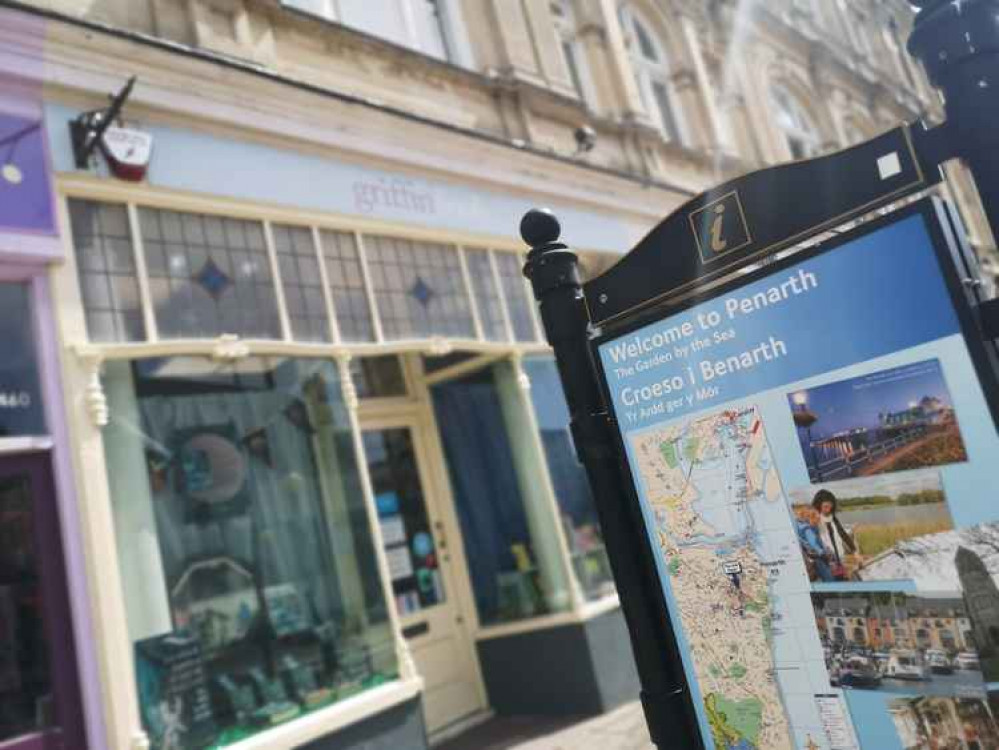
(812, 448)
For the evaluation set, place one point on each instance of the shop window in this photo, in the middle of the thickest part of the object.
(208, 276)
(302, 283)
(509, 532)
(572, 488)
(105, 263)
(419, 289)
(21, 410)
(378, 377)
(248, 566)
(510, 268)
(487, 295)
(346, 279)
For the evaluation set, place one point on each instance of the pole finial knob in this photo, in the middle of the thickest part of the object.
(540, 227)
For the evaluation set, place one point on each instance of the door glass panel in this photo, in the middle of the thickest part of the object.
(25, 682)
(402, 514)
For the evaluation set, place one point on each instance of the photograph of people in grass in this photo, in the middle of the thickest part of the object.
(846, 529)
(893, 420)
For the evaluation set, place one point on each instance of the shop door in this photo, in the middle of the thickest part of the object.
(39, 703)
(423, 579)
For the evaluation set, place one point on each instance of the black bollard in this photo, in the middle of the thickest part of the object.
(554, 273)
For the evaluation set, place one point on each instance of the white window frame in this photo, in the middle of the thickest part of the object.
(649, 72)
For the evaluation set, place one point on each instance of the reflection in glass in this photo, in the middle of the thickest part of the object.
(510, 535)
(572, 489)
(25, 679)
(251, 587)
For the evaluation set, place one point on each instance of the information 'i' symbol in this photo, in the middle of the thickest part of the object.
(718, 244)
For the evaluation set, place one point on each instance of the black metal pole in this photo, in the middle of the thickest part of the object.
(957, 42)
(554, 273)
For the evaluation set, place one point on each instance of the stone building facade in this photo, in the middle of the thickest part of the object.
(309, 412)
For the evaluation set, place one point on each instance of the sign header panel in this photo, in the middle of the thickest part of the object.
(738, 221)
(813, 454)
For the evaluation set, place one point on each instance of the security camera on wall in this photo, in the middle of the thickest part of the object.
(586, 139)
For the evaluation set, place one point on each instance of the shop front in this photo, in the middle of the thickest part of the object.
(324, 455)
(45, 659)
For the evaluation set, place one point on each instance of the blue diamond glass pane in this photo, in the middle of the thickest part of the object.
(213, 279)
(422, 292)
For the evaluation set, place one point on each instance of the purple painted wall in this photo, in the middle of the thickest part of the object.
(25, 177)
(29, 242)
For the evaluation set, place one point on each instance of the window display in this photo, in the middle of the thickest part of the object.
(249, 572)
(579, 513)
(510, 535)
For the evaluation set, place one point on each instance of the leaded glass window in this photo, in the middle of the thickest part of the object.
(487, 295)
(346, 279)
(518, 303)
(106, 265)
(302, 283)
(208, 275)
(419, 288)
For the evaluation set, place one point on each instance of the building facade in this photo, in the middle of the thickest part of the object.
(316, 487)
(941, 624)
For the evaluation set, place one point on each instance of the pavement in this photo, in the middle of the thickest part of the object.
(621, 729)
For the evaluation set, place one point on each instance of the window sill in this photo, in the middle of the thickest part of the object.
(598, 607)
(589, 611)
(322, 723)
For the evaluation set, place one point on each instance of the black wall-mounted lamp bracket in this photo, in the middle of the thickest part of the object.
(87, 129)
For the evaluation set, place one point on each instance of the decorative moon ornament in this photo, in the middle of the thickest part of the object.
(223, 473)
(12, 174)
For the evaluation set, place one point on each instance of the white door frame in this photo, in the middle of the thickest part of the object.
(415, 412)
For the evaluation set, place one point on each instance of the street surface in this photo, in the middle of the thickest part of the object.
(623, 729)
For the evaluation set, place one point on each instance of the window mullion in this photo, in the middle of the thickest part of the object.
(278, 284)
(504, 307)
(466, 277)
(362, 256)
(142, 276)
(324, 279)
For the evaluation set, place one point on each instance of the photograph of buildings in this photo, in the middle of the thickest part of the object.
(846, 528)
(932, 723)
(887, 421)
(900, 643)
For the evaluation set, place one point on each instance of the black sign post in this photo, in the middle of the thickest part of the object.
(721, 232)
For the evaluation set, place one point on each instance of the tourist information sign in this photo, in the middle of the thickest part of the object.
(785, 398)
(812, 450)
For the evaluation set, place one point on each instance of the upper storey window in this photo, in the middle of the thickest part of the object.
(801, 135)
(429, 26)
(650, 65)
(573, 56)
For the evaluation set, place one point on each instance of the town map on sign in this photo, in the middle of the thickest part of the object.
(736, 579)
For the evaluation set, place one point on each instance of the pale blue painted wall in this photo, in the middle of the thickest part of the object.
(205, 163)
